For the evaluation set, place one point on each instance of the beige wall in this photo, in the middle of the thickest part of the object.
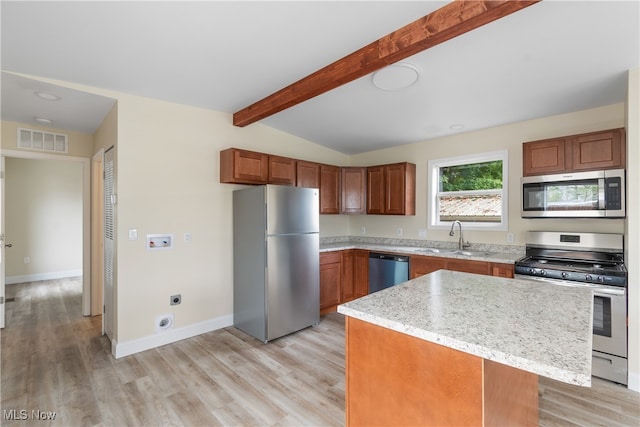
(633, 224)
(79, 144)
(43, 208)
(508, 137)
(168, 182)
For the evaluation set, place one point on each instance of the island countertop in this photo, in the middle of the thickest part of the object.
(545, 329)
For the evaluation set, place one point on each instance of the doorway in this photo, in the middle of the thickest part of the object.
(85, 166)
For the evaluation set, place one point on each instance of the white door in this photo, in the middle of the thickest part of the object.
(108, 316)
(1, 241)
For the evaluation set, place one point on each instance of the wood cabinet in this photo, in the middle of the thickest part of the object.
(391, 189)
(348, 290)
(249, 167)
(599, 150)
(344, 276)
(329, 189)
(502, 270)
(384, 190)
(243, 167)
(589, 151)
(307, 174)
(330, 281)
(360, 273)
(421, 265)
(353, 190)
(469, 266)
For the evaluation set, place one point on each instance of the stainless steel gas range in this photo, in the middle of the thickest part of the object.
(593, 260)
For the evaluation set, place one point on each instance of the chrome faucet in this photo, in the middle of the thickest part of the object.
(461, 243)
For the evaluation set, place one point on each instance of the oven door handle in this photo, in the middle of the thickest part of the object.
(596, 291)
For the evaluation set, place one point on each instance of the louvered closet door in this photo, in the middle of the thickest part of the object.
(108, 316)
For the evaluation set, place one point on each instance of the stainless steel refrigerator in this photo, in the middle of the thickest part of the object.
(276, 263)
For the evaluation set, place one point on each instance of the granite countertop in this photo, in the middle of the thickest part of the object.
(538, 327)
(477, 253)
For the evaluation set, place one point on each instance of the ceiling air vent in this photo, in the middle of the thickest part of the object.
(42, 141)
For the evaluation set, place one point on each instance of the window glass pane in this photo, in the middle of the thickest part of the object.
(469, 177)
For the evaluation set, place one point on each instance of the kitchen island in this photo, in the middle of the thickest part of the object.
(452, 348)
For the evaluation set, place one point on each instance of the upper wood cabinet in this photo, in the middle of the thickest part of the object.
(329, 189)
(391, 189)
(307, 174)
(353, 190)
(249, 167)
(599, 150)
(589, 151)
(243, 167)
(282, 170)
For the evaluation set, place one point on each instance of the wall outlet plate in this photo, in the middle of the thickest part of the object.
(164, 322)
(175, 299)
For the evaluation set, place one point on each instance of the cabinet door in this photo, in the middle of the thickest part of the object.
(329, 189)
(307, 174)
(599, 150)
(243, 167)
(330, 277)
(353, 187)
(360, 273)
(375, 190)
(545, 157)
(282, 170)
(348, 290)
(469, 266)
(421, 265)
(400, 191)
(502, 270)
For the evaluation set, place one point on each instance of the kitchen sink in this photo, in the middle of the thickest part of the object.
(428, 250)
(468, 253)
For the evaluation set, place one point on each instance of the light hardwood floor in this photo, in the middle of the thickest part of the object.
(54, 360)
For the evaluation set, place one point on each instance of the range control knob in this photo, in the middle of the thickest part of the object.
(588, 278)
(564, 274)
(543, 273)
(600, 279)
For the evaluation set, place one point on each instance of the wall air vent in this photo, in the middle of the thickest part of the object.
(42, 141)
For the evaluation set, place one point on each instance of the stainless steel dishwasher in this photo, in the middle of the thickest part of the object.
(386, 270)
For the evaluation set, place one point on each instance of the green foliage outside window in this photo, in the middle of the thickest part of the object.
(470, 177)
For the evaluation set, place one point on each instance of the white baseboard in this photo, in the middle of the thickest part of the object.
(634, 381)
(11, 280)
(128, 348)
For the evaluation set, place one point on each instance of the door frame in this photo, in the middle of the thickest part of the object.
(86, 213)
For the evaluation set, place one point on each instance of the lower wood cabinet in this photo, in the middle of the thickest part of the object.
(344, 276)
(330, 281)
(502, 270)
(421, 265)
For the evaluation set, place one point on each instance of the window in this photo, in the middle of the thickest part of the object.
(472, 189)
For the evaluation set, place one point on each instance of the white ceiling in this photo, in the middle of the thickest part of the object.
(550, 58)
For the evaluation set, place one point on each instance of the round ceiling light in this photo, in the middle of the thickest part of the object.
(43, 120)
(457, 126)
(47, 96)
(396, 76)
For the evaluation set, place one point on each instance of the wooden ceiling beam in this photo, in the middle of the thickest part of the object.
(451, 20)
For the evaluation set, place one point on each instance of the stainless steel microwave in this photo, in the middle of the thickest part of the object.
(592, 194)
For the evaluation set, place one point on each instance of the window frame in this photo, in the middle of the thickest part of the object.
(434, 222)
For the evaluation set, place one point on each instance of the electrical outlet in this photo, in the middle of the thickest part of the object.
(509, 237)
(422, 233)
(27, 260)
(363, 230)
(399, 231)
(164, 322)
(175, 299)
(187, 237)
